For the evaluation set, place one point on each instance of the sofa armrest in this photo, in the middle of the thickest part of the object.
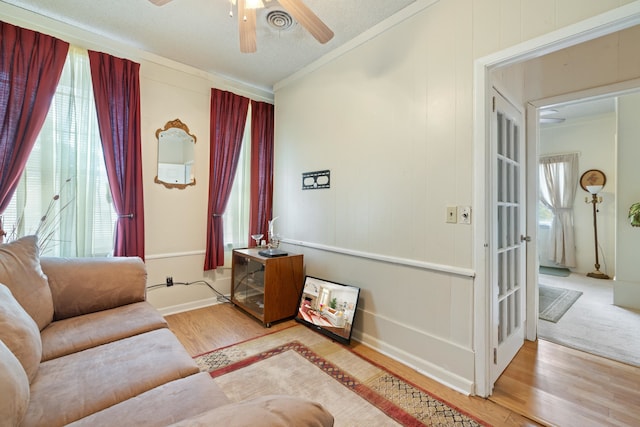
(86, 285)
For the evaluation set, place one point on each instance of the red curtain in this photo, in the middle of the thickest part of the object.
(260, 207)
(30, 67)
(116, 87)
(228, 117)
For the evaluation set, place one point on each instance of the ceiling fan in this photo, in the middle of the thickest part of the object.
(247, 20)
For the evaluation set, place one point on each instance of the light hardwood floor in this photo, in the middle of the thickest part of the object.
(560, 386)
(223, 325)
(557, 385)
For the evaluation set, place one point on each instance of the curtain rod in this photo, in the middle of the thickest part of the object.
(561, 154)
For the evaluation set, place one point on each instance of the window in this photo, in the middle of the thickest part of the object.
(236, 216)
(64, 191)
(545, 215)
(545, 212)
(558, 183)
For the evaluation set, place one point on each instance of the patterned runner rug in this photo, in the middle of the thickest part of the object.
(298, 361)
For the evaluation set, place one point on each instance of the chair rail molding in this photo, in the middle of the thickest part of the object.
(451, 269)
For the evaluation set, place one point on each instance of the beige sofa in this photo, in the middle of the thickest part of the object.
(79, 345)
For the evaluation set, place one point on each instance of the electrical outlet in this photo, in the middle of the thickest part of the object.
(464, 214)
(452, 214)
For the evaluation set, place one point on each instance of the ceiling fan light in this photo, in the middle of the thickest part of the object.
(545, 120)
(253, 4)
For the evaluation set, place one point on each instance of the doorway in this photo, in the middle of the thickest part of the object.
(587, 127)
(617, 20)
(542, 370)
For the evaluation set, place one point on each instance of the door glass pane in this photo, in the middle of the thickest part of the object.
(500, 134)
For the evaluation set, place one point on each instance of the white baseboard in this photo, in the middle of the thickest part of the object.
(193, 305)
(626, 294)
(421, 366)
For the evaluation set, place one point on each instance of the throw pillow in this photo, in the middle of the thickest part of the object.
(20, 271)
(14, 388)
(20, 333)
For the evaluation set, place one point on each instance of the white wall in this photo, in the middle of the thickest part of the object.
(594, 138)
(599, 62)
(392, 120)
(175, 220)
(627, 284)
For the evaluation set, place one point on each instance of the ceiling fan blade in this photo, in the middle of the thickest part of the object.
(247, 28)
(308, 19)
(160, 2)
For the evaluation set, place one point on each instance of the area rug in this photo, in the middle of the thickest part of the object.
(554, 302)
(594, 324)
(298, 361)
(555, 271)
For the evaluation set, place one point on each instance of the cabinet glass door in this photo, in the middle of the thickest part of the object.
(248, 284)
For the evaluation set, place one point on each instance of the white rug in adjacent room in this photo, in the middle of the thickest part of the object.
(593, 324)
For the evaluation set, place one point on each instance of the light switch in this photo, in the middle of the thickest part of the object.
(464, 214)
(452, 214)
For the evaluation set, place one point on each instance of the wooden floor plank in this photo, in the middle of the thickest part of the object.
(556, 385)
(214, 327)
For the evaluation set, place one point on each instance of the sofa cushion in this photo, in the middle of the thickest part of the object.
(20, 333)
(87, 285)
(14, 388)
(20, 271)
(77, 385)
(272, 411)
(79, 333)
(157, 407)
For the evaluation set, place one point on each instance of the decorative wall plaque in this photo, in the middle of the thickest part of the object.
(316, 180)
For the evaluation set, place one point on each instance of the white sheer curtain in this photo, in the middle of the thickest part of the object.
(67, 161)
(558, 185)
(236, 215)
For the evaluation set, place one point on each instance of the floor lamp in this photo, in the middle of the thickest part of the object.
(593, 181)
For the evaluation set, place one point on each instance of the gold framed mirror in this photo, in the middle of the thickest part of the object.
(176, 158)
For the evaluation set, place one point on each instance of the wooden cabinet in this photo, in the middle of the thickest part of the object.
(266, 288)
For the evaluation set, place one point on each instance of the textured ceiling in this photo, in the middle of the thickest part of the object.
(201, 34)
(578, 110)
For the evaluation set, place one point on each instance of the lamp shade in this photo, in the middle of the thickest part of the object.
(594, 189)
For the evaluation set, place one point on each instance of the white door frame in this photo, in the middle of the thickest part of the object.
(606, 23)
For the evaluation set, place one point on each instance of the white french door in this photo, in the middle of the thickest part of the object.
(508, 238)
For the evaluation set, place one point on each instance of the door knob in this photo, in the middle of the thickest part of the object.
(525, 238)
